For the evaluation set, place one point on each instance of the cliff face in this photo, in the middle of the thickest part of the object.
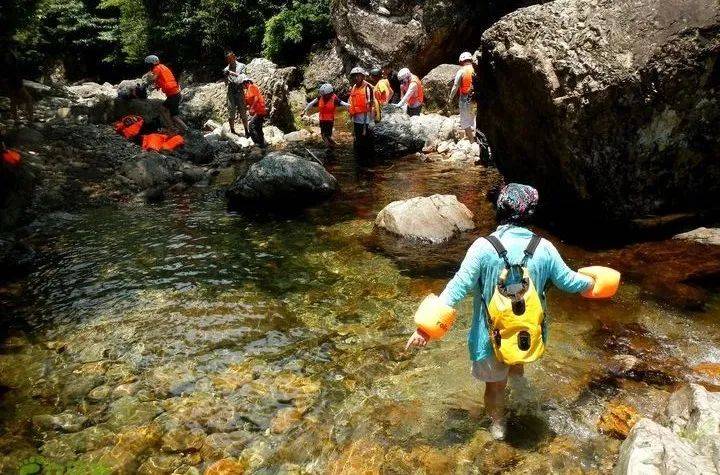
(609, 107)
(417, 34)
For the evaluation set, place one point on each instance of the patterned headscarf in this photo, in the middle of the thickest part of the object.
(516, 202)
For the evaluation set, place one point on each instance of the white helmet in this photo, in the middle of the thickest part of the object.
(242, 78)
(404, 74)
(466, 56)
(152, 59)
(358, 70)
(326, 89)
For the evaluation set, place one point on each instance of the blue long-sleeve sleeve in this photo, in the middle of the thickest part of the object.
(563, 277)
(466, 278)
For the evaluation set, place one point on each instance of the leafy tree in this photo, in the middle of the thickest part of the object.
(131, 30)
(290, 34)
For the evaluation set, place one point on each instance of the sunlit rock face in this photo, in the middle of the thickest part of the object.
(608, 107)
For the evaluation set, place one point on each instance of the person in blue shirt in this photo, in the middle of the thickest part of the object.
(479, 273)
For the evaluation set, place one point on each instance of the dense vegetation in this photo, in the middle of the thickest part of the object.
(109, 38)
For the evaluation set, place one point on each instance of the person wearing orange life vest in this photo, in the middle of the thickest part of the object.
(383, 91)
(411, 89)
(361, 107)
(256, 108)
(164, 80)
(463, 88)
(327, 102)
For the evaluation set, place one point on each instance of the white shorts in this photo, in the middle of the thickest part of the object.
(467, 118)
(490, 370)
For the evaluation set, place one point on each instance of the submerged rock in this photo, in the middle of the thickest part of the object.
(606, 106)
(690, 445)
(435, 219)
(282, 180)
(702, 235)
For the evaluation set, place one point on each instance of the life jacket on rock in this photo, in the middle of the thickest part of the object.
(418, 97)
(514, 314)
(466, 81)
(165, 80)
(11, 157)
(158, 142)
(327, 108)
(255, 100)
(129, 126)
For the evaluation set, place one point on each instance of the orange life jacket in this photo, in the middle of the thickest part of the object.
(466, 84)
(157, 142)
(11, 157)
(255, 100)
(359, 101)
(165, 80)
(173, 143)
(418, 96)
(129, 126)
(327, 108)
(383, 91)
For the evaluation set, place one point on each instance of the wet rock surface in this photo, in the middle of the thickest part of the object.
(435, 219)
(282, 180)
(689, 444)
(605, 106)
(399, 134)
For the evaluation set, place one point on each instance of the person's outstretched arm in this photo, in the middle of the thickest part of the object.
(565, 278)
(310, 105)
(408, 94)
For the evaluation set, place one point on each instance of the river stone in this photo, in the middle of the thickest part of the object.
(128, 411)
(326, 66)
(151, 169)
(702, 235)
(435, 218)
(399, 134)
(282, 179)
(607, 107)
(66, 422)
(437, 85)
(694, 413)
(274, 83)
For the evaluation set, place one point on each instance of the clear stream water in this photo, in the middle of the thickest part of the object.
(160, 339)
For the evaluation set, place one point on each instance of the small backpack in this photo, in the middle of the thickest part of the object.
(515, 314)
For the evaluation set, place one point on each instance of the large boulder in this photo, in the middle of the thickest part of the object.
(702, 235)
(204, 102)
(608, 107)
(417, 34)
(691, 444)
(99, 103)
(282, 180)
(434, 219)
(275, 82)
(398, 134)
(437, 85)
(326, 65)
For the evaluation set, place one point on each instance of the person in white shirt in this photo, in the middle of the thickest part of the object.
(411, 89)
(235, 97)
(463, 88)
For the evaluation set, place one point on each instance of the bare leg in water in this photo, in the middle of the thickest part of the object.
(495, 402)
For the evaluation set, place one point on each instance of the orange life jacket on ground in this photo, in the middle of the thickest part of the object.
(418, 96)
(255, 100)
(129, 126)
(165, 80)
(383, 91)
(11, 157)
(157, 142)
(466, 84)
(359, 101)
(327, 108)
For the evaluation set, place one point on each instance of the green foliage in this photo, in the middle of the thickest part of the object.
(291, 33)
(131, 30)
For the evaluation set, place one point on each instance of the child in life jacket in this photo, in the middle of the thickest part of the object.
(497, 349)
(327, 103)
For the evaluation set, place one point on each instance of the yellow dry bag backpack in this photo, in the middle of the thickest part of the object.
(514, 313)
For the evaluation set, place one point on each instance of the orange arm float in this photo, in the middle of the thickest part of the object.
(607, 281)
(433, 318)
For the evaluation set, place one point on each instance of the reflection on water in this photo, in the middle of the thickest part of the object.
(162, 339)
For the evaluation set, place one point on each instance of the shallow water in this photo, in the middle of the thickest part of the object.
(160, 339)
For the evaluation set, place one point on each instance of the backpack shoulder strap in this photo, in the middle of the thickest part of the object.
(531, 248)
(499, 248)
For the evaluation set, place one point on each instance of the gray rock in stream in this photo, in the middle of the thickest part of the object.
(689, 445)
(398, 134)
(702, 235)
(434, 219)
(608, 107)
(282, 180)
